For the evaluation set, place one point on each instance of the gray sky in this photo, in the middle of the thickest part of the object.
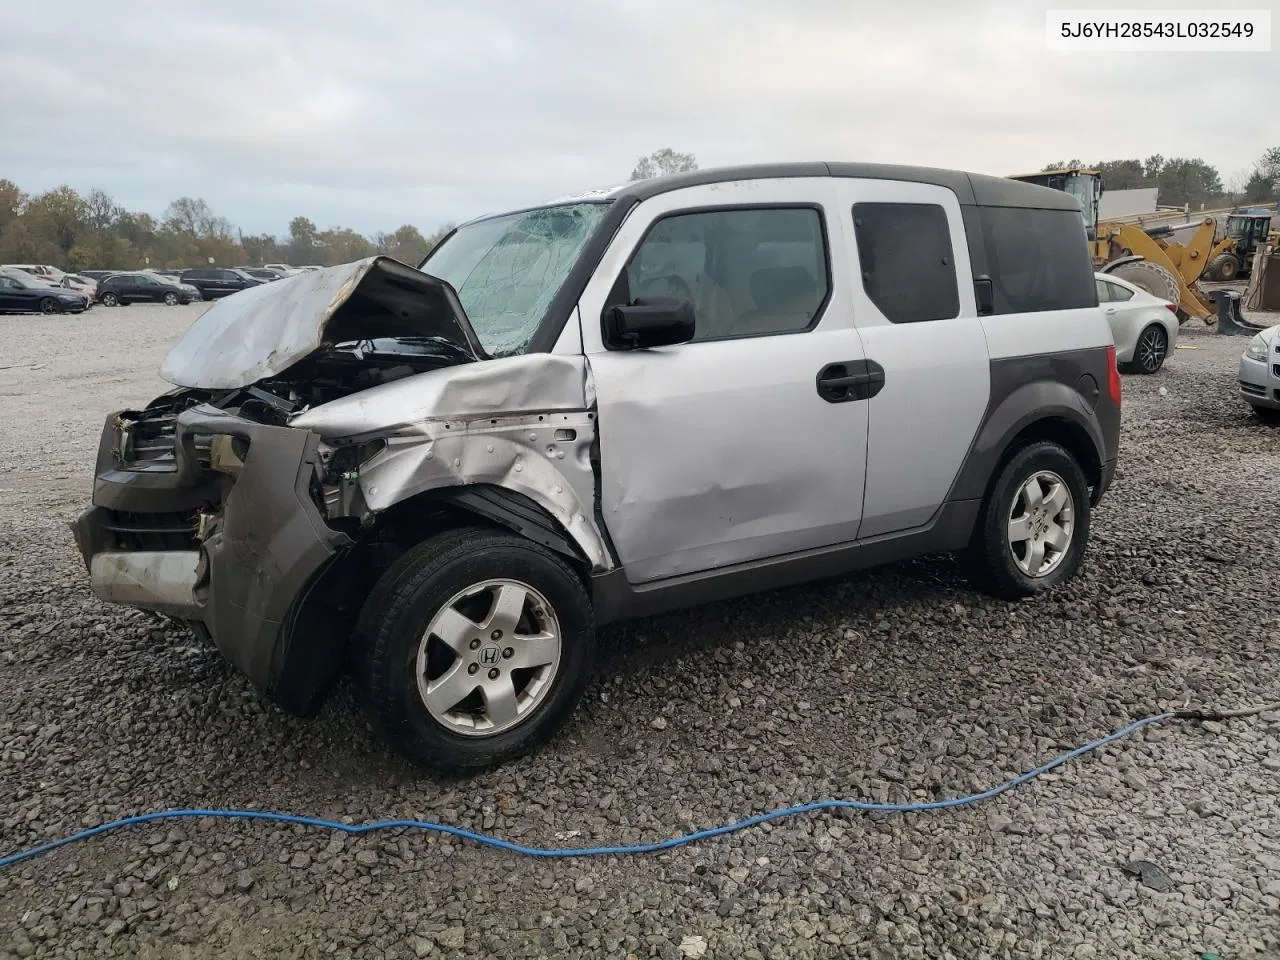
(374, 114)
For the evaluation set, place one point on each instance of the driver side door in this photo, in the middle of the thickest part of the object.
(746, 443)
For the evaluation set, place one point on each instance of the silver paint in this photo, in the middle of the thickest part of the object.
(262, 331)
(161, 580)
(528, 383)
(937, 377)
(722, 452)
(494, 422)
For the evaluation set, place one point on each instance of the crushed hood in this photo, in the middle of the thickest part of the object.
(262, 331)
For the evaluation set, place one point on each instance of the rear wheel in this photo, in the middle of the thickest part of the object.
(1151, 277)
(1034, 525)
(1150, 351)
(474, 648)
(1224, 267)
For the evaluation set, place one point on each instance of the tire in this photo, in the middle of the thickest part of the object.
(170, 299)
(1224, 268)
(1151, 277)
(399, 655)
(991, 560)
(1268, 415)
(48, 305)
(109, 299)
(1150, 352)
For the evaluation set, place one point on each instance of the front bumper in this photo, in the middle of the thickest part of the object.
(239, 556)
(1260, 381)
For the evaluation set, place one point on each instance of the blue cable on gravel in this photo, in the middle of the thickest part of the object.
(638, 848)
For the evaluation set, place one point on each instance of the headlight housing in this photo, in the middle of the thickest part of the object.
(1257, 348)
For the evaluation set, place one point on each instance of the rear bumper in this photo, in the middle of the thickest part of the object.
(256, 546)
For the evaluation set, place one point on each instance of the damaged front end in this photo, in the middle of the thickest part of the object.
(322, 425)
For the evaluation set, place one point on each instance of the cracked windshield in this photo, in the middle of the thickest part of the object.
(508, 269)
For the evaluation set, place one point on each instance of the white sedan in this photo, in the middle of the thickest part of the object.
(1144, 327)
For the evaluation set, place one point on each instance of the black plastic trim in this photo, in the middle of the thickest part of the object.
(1037, 392)
(514, 511)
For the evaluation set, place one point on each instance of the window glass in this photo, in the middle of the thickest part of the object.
(908, 265)
(751, 272)
(1117, 293)
(508, 270)
(1038, 260)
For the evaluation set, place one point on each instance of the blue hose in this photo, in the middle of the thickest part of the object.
(491, 841)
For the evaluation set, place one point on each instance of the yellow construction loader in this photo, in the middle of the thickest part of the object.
(1144, 250)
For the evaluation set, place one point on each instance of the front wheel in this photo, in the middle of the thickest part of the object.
(474, 648)
(1033, 527)
(170, 299)
(109, 300)
(1268, 415)
(48, 305)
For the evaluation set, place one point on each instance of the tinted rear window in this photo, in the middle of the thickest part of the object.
(908, 266)
(1038, 260)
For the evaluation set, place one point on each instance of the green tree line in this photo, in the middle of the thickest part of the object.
(1189, 180)
(77, 231)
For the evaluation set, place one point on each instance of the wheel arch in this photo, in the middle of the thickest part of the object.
(327, 609)
(1041, 410)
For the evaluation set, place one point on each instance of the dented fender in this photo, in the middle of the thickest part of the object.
(524, 423)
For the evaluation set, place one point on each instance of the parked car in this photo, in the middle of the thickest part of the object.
(80, 284)
(1260, 374)
(263, 273)
(686, 389)
(216, 282)
(1145, 327)
(22, 293)
(42, 270)
(122, 289)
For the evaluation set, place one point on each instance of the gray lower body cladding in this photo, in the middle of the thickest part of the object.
(235, 558)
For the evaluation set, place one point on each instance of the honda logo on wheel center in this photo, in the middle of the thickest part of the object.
(488, 656)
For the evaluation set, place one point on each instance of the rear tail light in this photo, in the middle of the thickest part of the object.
(1113, 376)
(1172, 308)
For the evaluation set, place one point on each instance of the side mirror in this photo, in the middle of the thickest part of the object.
(648, 322)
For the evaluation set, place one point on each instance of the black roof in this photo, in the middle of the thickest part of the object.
(972, 189)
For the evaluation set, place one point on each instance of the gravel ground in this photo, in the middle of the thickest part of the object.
(897, 684)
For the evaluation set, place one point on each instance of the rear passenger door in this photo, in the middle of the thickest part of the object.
(126, 289)
(913, 304)
(729, 449)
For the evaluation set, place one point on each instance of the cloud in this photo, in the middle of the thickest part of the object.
(402, 111)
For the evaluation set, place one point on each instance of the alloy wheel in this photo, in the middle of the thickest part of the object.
(1152, 348)
(488, 657)
(1041, 524)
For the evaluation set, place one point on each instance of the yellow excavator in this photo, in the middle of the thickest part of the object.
(1144, 250)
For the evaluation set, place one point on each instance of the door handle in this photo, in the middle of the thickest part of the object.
(850, 380)
(1110, 310)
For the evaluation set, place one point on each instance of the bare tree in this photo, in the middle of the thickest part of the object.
(662, 162)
